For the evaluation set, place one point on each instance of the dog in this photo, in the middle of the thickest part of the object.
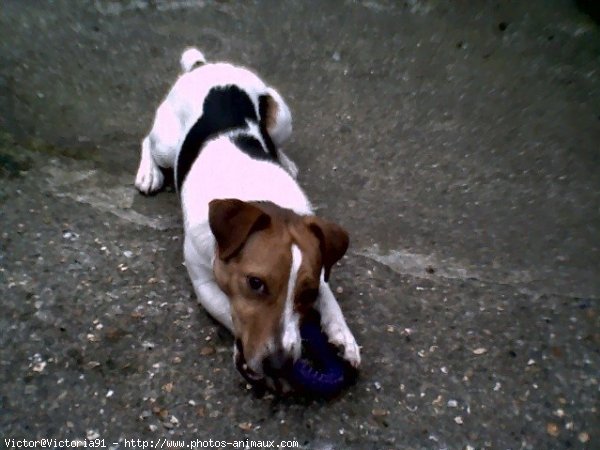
(258, 257)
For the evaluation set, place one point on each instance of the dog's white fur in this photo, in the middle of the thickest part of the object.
(223, 171)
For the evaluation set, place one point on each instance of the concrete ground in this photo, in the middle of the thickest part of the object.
(459, 145)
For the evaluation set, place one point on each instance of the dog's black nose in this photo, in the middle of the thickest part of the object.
(277, 362)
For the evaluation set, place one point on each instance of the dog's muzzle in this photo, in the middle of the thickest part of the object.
(240, 363)
(275, 369)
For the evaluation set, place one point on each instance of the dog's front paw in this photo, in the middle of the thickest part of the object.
(340, 335)
(149, 177)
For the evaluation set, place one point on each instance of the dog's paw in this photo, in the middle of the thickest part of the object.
(340, 335)
(291, 342)
(149, 177)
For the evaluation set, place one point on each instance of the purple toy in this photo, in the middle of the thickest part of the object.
(320, 372)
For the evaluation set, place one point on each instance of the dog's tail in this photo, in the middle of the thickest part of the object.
(191, 58)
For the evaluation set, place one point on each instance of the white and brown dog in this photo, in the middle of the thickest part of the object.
(259, 259)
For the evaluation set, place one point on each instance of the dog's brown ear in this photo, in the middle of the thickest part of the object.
(231, 222)
(333, 241)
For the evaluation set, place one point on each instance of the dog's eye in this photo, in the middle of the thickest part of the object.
(256, 284)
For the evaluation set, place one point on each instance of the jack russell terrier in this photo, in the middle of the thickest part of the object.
(258, 257)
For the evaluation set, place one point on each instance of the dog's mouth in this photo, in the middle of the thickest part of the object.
(250, 375)
(272, 378)
(242, 366)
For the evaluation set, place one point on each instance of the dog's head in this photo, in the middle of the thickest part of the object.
(270, 261)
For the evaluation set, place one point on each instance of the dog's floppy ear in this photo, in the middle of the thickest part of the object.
(232, 221)
(333, 241)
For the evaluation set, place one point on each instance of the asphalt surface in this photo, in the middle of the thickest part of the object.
(459, 145)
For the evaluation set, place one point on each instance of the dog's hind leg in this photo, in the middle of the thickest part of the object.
(149, 177)
(159, 149)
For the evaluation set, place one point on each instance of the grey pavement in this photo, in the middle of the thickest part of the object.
(458, 142)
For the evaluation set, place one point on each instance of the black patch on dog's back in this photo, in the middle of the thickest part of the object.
(225, 108)
(253, 147)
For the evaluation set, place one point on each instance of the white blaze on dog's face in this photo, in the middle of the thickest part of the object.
(269, 262)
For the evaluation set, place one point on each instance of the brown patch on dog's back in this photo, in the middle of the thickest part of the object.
(268, 109)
